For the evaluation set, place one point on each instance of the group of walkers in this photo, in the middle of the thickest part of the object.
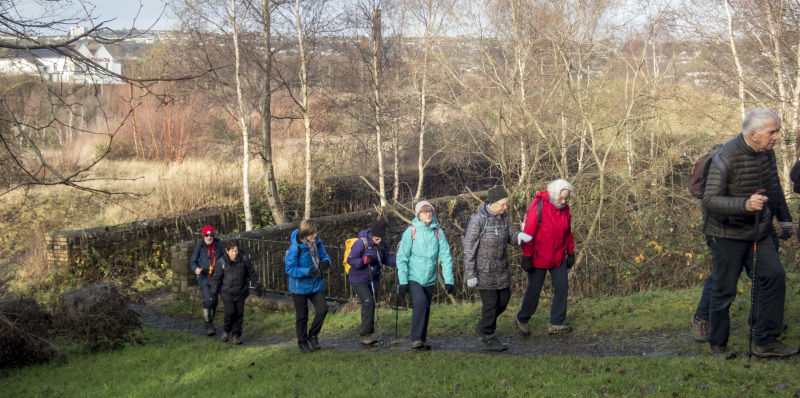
(546, 240)
(742, 194)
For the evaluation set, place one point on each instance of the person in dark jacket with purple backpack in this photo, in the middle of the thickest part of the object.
(367, 254)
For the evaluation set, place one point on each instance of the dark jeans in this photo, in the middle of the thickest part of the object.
(493, 303)
(729, 256)
(234, 315)
(530, 300)
(421, 296)
(364, 293)
(705, 296)
(301, 314)
(209, 301)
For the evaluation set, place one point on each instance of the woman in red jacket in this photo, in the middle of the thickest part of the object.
(553, 249)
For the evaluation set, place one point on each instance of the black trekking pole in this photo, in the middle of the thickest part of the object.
(754, 286)
(375, 301)
(191, 312)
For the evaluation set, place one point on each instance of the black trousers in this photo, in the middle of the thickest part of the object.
(301, 314)
(364, 293)
(421, 296)
(530, 300)
(493, 303)
(234, 316)
(209, 300)
(729, 257)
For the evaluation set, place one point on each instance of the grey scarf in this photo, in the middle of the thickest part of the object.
(312, 249)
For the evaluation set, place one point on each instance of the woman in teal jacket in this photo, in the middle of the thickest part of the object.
(305, 262)
(423, 243)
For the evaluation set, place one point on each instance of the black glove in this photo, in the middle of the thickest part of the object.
(259, 291)
(570, 260)
(324, 265)
(448, 288)
(527, 264)
(787, 233)
(313, 272)
(402, 289)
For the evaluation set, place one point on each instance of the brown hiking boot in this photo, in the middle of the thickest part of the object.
(225, 336)
(699, 329)
(479, 331)
(492, 344)
(558, 329)
(420, 345)
(722, 351)
(237, 339)
(522, 327)
(775, 350)
(368, 340)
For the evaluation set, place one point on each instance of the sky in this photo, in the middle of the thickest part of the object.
(122, 13)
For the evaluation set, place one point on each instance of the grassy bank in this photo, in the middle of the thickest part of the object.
(176, 365)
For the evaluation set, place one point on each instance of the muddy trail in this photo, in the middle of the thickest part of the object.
(650, 344)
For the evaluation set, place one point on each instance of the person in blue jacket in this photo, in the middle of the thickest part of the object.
(204, 258)
(305, 261)
(367, 254)
(422, 246)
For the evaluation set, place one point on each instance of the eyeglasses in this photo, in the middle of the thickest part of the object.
(211, 235)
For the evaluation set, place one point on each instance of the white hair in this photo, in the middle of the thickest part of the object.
(555, 188)
(756, 118)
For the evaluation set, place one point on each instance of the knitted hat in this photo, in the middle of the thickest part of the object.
(208, 230)
(497, 193)
(420, 205)
(378, 229)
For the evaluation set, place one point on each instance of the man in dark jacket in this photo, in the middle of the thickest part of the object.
(367, 254)
(486, 267)
(232, 280)
(204, 258)
(738, 220)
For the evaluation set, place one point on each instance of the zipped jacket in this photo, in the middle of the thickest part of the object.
(200, 259)
(552, 240)
(485, 240)
(231, 278)
(298, 263)
(726, 194)
(359, 272)
(417, 258)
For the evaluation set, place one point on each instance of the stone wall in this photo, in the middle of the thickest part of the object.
(118, 243)
(451, 212)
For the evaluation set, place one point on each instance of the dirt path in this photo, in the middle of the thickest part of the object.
(668, 342)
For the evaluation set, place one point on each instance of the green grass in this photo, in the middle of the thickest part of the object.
(176, 364)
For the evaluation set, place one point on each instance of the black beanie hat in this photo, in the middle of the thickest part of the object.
(497, 193)
(378, 229)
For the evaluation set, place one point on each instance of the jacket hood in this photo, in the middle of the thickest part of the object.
(419, 224)
(364, 234)
(543, 195)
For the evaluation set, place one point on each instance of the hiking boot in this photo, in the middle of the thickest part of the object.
(304, 348)
(237, 339)
(420, 345)
(558, 329)
(492, 344)
(722, 351)
(225, 336)
(210, 330)
(480, 332)
(313, 342)
(522, 327)
(699, 329)
(368, 340)
(775, 350)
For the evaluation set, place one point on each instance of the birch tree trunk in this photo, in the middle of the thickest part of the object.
(270, 184)
(376, 87)
(304, 110)
(735, 55)
(248, 218)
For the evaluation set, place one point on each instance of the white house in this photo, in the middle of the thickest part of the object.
(55, 67)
